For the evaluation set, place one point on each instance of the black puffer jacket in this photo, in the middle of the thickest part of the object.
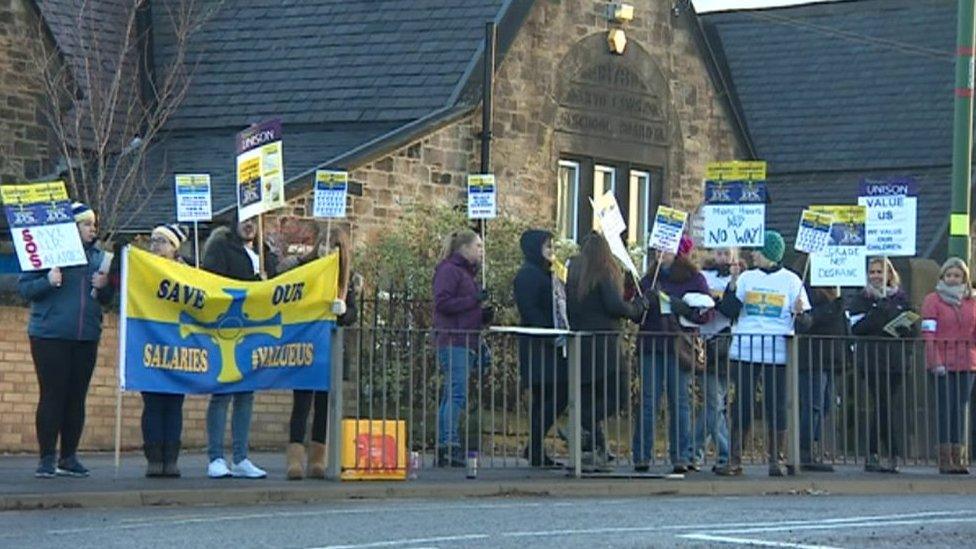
(224, 254)
(876, 348)
(539, 359)
(823, 341)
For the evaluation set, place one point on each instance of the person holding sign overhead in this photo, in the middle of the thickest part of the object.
(64, 329)
(949, 327)
(767, 302)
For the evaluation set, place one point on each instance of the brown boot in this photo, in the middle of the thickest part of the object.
(316, 460)
(296, 461)
(958, 459)
(945, 459)
(776, 442)
(734, 467)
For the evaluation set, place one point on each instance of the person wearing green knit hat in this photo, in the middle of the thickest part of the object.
(768, 303)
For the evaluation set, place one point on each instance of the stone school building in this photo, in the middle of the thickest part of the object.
(588, 96)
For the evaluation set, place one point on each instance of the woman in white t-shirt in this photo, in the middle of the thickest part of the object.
(767, 302)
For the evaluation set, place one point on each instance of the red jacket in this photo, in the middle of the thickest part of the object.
(950, 334)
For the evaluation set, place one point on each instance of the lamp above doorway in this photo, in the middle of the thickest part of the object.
(618, 13)
(617, 41)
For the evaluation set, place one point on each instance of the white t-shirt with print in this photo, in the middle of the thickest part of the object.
(716, 287)
(767, 310)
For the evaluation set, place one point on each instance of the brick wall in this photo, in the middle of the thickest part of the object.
(18, 399)
(24, 139)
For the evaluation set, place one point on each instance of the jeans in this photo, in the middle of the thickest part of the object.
(455, 363)
(746, 375)
(952, 392)
(660, 373)
(64, 370)
(813, 389)
(162, 418)
(301, 405)
(713, 420)
(240, 425)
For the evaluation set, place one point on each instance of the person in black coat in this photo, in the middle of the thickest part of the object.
(541, 300)
(882, 361)
(595, 304)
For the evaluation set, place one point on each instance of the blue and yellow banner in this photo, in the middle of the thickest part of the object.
(189, 331)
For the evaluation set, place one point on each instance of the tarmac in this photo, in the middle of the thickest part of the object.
(128, 487)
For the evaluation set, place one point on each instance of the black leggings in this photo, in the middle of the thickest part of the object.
(301, 405)
(64, 369)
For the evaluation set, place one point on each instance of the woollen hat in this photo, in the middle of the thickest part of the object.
(686, 245)
(773, 247)
(172, 232)
(82, 212)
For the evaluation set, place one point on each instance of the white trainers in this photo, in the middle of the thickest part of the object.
(246, 469)
(218, 469)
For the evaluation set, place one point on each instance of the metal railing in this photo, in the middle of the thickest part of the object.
(592, 403)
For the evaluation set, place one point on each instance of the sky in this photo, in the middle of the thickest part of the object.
(702, 6)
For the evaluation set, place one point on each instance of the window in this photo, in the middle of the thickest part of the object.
(639, 207)
(567, 196)
(604, 180)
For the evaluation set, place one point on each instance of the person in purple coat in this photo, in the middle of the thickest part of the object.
(459, 314)
(660, 371)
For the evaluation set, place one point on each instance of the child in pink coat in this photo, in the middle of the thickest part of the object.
(949, 327)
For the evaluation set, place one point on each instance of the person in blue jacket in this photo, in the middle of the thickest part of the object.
(64, 329)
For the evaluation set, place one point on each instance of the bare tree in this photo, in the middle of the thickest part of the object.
(106, 98)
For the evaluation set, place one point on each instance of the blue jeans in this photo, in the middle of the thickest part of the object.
(813, 396)
(660, 373)
(240, 425)
(713, 420)
(455, 363)
(951, 398)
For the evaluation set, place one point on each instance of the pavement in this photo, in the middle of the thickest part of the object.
(128, 487)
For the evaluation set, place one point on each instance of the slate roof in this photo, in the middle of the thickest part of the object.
(832, 93)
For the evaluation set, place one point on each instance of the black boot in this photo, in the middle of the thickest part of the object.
(171, 452)
(154, 459)
(450, 456)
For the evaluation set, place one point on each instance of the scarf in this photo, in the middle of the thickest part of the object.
(880, 293)
(953, 295)
(560, 320)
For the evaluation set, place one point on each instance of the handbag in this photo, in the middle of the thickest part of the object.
(689, 347)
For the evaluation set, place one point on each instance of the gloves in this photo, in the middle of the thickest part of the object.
(487, 315)
(338, 307)
(640, 307)
(651, 298)
(680, 308)
(484, 295)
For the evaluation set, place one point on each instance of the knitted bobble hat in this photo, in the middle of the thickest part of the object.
(773, 247)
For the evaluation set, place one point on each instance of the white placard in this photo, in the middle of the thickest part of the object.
(193, 198)
(813, 232)
(668, 226)
(608, 213)
(482, 196)
(843, 261)
(892, 216)
(735, 225)
(331, 190)
(42, 228)
(260, 170)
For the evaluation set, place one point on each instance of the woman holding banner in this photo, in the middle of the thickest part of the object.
(661, 370)
(768, 302)
(64, 329)
(595, 303)
(162, 413)
(882, 360)
(459, 316)
(949, 327)
(344, 307)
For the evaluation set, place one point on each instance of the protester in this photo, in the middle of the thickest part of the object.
(595, 304)
(460, 312)
(767, 302)
(661, 368)
(882, 361)
(64, 328)
(162, 413)
(344, 307)
(823, 347)
(540, 296)
(230, 252)
(714, 381)
(949, 327)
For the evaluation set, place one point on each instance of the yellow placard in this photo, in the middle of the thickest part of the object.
(847, 214)
(192, 180)
(959, 225)
(816, 219)
(33, 193)
(736, 170)
(328, 177)
(671, 216)
(374, 449)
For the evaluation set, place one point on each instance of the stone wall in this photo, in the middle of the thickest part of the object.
(24, 139)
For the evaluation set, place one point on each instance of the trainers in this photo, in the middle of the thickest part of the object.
(71, 467)
(218, 469)
(246, 469)
(46, 467)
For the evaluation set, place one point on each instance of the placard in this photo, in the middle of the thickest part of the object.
(607, 211)
(736, 170)
(813, 232)
(482, 199)
(735, 214)
(41, 226)
(668, 226)
(260, 170)
(892, 215)
(331, 190)
(193, 198)
(843, 261)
